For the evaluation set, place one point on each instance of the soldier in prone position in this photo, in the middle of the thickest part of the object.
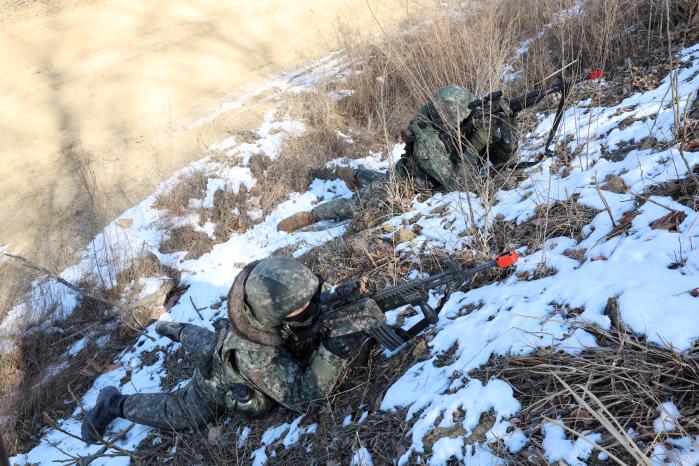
(444, 149)
(269, 352)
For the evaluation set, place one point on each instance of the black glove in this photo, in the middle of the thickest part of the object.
(355, 347)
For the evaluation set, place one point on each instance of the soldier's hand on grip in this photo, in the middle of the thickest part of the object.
(346, 337)
(362, 317)
(354, 346)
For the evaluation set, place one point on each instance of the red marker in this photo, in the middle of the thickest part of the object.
(507, 259)
(595, 74)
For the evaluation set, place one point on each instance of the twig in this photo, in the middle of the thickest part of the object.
(196, 308)
(608, 423)
(29, 264)
(647, 199)
(604, 201)
(108, 445)
(32, 265)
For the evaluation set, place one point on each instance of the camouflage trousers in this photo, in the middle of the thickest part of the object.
(189, 406)
(370, 183)
(372, 186)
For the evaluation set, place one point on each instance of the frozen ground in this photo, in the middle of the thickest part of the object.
(512, 317)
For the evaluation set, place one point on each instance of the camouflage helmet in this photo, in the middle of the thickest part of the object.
(278, 286)
(452, 103)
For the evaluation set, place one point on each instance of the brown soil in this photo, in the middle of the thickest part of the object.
(103, 99)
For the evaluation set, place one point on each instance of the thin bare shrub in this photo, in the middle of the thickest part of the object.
(45, 372)
(329, 135)
(176, 200)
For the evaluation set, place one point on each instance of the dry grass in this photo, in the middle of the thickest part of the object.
(557, 219)
(399, 73)
(471, 44)
(186, 238)
(15, 282)
(683, 190)
(40, 378)
(176, 201)
(230, 213)
(604, 34)
(302, 158)
(609, 389)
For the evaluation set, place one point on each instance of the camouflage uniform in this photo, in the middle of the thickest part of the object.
(240, 376)
(434, 158)
(371, 185)
(257, 358)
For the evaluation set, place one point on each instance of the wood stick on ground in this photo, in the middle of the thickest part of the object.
(34, 266)
(196, 308)
(606, 205)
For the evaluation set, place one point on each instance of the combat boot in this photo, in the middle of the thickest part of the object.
(346, 174)
(106, 409)
(296, 222)
(172, 330)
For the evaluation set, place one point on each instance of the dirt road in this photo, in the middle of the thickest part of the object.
(105, 94)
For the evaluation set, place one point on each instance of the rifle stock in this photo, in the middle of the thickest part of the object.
(414, 292)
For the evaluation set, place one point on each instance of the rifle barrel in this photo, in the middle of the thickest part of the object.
(534, 97)
(413, 292)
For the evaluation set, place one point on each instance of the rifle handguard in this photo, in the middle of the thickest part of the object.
(338, 306)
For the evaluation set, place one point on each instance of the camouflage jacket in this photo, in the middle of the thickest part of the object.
(271, 373)
(443, 160)
(257, 362)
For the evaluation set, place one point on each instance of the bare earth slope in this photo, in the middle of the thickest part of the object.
(103, 99)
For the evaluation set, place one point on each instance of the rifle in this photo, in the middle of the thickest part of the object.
(493, 103)
(415, 292)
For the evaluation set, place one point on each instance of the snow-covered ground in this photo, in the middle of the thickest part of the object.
(516, 316)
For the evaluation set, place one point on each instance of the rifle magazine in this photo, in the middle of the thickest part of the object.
(387, 336)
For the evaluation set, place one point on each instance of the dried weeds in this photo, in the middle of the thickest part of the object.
(176, 201)
(43, 377)
(558, 219)
(40, 377)
(186, 238)
(621, 383)
(683, 190)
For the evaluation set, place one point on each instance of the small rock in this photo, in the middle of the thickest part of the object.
(215, 433)
(124, 222)
(403, 235)
(577, 254)
(614, 184)
(357, 243)
(439, 209)
(414, 219)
